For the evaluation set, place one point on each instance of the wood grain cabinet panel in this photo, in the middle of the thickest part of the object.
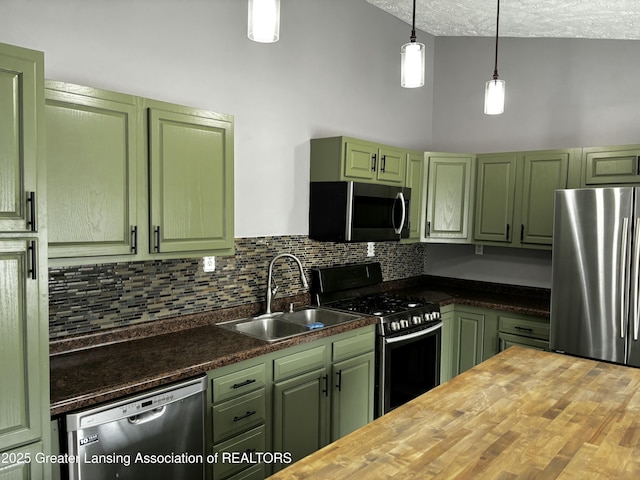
(191, 181)
(91, 172)
(24, 317)
(449, 199)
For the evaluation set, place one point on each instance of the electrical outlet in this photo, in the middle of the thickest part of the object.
(479, 249)
(371, 249)
(209, 264)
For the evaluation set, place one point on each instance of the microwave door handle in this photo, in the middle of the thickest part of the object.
(400, 197)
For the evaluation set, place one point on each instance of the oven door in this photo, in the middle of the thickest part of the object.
(408, 365)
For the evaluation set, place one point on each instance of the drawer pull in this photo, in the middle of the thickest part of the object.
(524, 329)
(244, 384)
(246, 415)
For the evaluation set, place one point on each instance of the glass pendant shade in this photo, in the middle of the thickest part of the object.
(494, 97)
(264, 21)
(412, 65)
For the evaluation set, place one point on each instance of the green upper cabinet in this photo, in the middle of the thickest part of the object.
(495, 195)
(191, 180)
(543, 174)
(515, 194)
(349, 159)
(133, 179)
(610, 165)
(91, 179)
(21, 94)
(449, 197)
(416, 182)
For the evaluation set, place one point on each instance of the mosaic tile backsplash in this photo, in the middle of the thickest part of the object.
(95, 297)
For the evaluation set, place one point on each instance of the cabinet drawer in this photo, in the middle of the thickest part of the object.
(354, 346)
(526, 327)
(299, 363)
(238, 414)
(231, 451)
(237, 383)
(507, 340)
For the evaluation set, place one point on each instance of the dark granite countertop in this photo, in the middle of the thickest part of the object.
(102, 367)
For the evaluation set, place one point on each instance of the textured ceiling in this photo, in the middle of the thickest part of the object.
(612, 19)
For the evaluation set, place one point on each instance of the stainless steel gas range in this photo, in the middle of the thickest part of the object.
(409, 331)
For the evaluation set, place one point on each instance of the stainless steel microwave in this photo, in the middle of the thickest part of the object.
(358, 212)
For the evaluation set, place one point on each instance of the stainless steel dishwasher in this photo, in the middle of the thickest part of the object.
(159, 434)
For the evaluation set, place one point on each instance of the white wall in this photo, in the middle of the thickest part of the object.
(560, 93)
(335, 71)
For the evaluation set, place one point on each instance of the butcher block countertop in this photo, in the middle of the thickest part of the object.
(521, 414)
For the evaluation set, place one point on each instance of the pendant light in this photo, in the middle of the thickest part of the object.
(495, 88)
(412, 59)
(264, 21)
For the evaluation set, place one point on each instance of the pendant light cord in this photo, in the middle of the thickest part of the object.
(413, 25)
(495, 67)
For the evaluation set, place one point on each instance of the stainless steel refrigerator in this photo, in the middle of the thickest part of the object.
(595, 310)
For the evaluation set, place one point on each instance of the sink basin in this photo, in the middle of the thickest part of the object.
(278, 326)
(270, 328)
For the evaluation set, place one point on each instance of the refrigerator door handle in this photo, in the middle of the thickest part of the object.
(636, 279)
(623, 272)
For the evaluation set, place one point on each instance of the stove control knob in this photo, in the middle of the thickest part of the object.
(416, 319)
(394, 326)
(404, 323)
(435, 315)
(428, 316)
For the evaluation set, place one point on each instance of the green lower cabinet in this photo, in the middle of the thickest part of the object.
(523, 330)
(469, 333)
(352, 402)
(291, 402)
(300, 414)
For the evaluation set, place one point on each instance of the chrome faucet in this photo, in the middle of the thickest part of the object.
(271, 293)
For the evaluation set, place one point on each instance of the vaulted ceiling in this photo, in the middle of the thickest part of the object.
(610, 19)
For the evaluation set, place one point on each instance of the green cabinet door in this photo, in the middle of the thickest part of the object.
(415, 181)
(352, 399)
(360, 161)
(91, 172)
(544, 173)
(469, 333)
(336, 159)
(392, 165)
(611, 165)
(495, 191)
(21, 86)
(191, 180)
(14, 465)
(300, 414)
(448, 197)
(448, 353)
(21, 396)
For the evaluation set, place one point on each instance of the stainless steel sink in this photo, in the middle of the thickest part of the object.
(278, 326)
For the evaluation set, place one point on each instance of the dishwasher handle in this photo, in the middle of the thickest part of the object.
(147, 417)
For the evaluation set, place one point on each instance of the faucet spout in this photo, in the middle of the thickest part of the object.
(271, 293)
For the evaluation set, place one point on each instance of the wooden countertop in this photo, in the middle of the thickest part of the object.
(520, 414)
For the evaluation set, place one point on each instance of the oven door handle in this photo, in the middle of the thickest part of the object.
(410, 336)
